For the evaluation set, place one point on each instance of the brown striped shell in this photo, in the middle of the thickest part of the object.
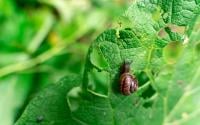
(128, 82)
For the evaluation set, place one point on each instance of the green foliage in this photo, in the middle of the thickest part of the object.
(40, 42)
(168, 91)
(13, 92)
(51, 104)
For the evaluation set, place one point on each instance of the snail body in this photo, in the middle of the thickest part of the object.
(128, 82)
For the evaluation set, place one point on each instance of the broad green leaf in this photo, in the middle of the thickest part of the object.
(145, 20)
(50, 107)
(176, 99)
(113, 106)
(172, 89)
(115, 50)
(141, 46)
(180, 12)
(149, 18)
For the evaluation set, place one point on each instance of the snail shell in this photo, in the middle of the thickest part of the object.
(128, 82)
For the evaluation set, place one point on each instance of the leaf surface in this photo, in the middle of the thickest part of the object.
(50, 107)
(171, 90)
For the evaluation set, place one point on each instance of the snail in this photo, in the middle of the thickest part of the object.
(128, 82)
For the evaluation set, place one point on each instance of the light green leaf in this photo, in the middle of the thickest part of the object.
(14, 91)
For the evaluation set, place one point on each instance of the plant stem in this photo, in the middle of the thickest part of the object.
(32, 62)
(41, 34)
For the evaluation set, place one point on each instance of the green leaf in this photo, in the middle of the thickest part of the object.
(14, 89)
(141, 46)
(50, 107)
(179, 12)
(114, 51)
(145, 19)
(172, 89)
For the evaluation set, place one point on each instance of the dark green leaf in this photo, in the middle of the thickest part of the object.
(50, 107)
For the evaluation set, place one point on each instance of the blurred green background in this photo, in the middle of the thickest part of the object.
(43, 40)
